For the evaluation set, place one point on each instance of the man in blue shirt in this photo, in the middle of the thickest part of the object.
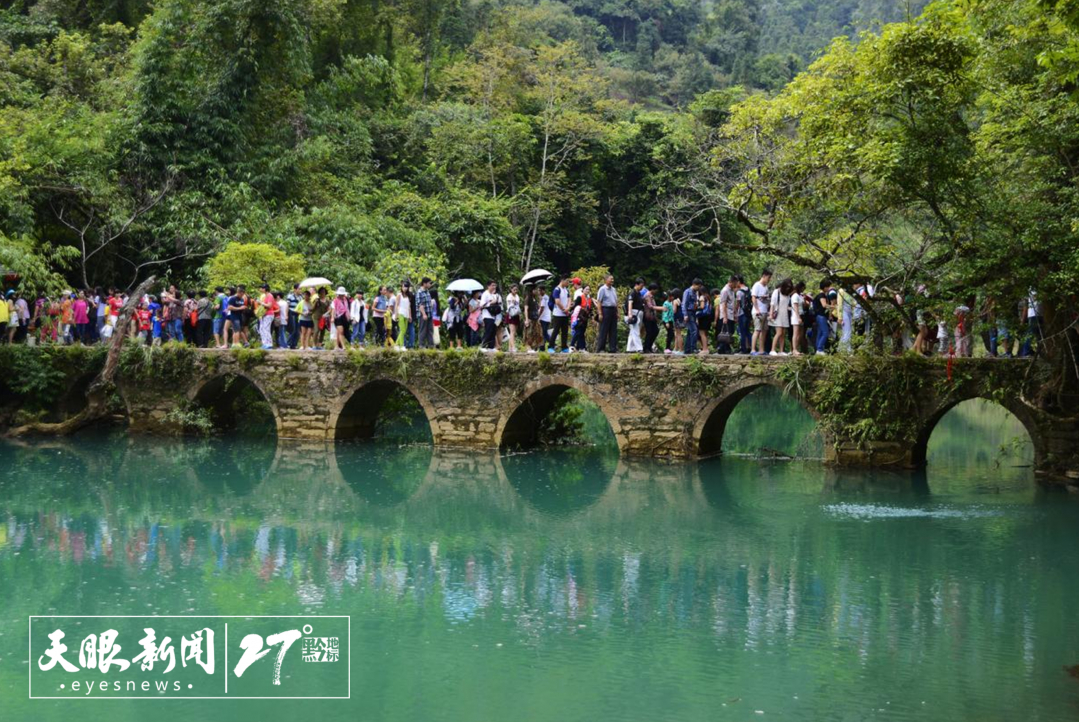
(237, 304)
(689, 313)
(155, 319)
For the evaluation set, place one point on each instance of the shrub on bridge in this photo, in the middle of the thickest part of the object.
(171, 364)
(864, 396)
(37, 376)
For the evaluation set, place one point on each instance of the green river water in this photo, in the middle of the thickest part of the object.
(570, 584)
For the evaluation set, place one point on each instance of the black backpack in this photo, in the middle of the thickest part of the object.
(747, 302)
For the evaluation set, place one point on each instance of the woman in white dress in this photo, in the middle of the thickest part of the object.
(780, 318)
(513, 317)
(797, 326)
(634, 307)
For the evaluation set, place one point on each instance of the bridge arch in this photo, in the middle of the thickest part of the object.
(355, 416)
(220, 393)
(711, 422)
(74, 398)
(1025, 415)
(518, 426)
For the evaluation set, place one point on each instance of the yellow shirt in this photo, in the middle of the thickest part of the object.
(5, 312)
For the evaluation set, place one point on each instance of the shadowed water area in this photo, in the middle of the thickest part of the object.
(569, 583)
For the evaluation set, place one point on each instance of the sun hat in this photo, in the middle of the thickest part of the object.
(576, 281)
(341, 291)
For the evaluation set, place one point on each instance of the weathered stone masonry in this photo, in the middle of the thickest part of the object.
(657, 406)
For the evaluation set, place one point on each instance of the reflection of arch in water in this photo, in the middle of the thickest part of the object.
(50, 462)
(236, 401)
(711, 422)
(520, 428)
(560, 482)
(383, 474)
(230, 465)
(304, 482)
(358, 416)
(73, 400)
(1014, 407)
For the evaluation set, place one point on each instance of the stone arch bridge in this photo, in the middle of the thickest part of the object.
(872, 411)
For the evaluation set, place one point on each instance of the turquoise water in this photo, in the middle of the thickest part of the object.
(570, 584)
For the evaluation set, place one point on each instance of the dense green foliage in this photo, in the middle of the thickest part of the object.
(482, 138)
(145, 137)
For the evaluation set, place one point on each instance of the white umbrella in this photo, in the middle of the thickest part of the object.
(537, 275)
(315, 282)
(466, 285)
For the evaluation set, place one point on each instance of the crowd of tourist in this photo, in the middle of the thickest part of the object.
(765, 318)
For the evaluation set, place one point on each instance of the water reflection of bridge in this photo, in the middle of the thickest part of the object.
(314, 483)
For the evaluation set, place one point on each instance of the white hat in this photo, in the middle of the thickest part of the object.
(341, 291)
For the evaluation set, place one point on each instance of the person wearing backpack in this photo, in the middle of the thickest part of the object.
(204, 314)
(745, 315)
(560, 311)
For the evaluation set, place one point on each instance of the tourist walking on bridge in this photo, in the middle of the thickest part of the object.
(305, 321)
(798, 319)
(491, 315)
(761, 304)
(204, 326)
(727, 314)
(357, 314)
(264, 312)
(690, 305)
(560, 309)
(822, 309)
(293, 328)
(634, 306)
(513, 317)
(607, 298)
(780, 319)
(651, 317)
(339, 311)
(534, 337)
(583, 307)
(425, 315)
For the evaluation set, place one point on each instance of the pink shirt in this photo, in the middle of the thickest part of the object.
(79, 309)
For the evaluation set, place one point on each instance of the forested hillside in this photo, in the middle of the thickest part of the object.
(665, 139)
